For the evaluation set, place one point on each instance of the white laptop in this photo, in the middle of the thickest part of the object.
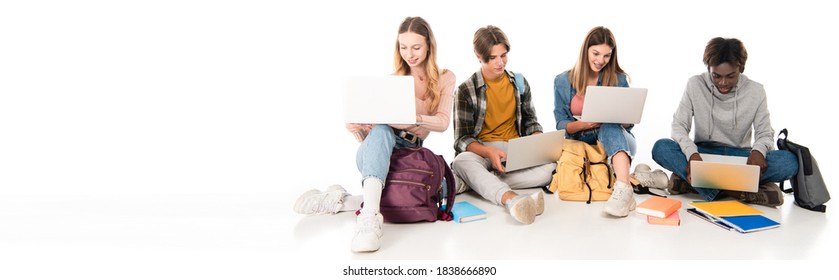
(380, 100)
(613, 104)
(533, 150)
(724, 173)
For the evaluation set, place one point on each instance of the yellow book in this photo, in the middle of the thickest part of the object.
(727, 208)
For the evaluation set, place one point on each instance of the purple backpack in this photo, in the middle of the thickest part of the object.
(414, 188)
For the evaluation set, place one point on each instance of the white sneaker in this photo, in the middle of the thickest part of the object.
(641, 168)
(653, 179)
(368, 230)
(621, 202)
(539, 198)
(523, 209)
(461, 186)
(317, 202)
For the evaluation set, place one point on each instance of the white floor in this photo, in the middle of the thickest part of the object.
(257, 236)
(575, 230)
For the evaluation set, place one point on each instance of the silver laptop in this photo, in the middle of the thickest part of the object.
(380, 100)
(533, 150)
(724, 173)
(613, 104)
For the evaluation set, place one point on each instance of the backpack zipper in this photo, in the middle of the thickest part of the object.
(427, 187)
(418, 170)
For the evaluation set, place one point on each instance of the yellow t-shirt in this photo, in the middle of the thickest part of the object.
(500, 121)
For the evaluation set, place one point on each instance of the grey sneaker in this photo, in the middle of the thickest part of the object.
(768, 194)
(317, 202)
(641, 168)
(652, 179)
(679, 186)
(523, 209)
(621, 202)
(461, 186)
(539, 198)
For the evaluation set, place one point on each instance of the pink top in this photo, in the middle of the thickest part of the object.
(577, 105)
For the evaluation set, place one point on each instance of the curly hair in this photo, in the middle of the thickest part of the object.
(721, 50)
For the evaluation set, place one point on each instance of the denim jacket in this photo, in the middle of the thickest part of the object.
(564, 92)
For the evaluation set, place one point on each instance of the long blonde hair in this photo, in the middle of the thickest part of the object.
(432, 72)
(609, 75)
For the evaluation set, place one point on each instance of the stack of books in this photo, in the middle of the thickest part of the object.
(732, 215)
(660, 210)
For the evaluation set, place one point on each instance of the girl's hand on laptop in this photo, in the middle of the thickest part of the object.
(359, 130)
(756, 158)
(581, 126)
(359, 127)
(591, 125)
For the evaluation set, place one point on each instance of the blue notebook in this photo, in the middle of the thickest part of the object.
(750, 223)
(464, 212)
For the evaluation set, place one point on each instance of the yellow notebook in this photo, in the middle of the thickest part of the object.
(728, 208)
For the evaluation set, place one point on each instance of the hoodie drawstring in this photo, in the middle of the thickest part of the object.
(734, 91)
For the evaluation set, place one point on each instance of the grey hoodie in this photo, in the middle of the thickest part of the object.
(723, 119)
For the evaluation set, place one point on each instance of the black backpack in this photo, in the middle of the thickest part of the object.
(808, 186)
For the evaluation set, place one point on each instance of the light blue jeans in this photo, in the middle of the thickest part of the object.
(781, 165)
(373, 156)
(615, 138)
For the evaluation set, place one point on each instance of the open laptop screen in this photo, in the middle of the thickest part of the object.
(380, 100)
(613, 104)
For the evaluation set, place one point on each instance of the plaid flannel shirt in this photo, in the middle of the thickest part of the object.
(471, 106)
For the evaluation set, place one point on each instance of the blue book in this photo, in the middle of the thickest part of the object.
(464, 212)
(750, 223)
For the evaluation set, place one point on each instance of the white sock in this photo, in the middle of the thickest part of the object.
(372, 195)
(352, 203)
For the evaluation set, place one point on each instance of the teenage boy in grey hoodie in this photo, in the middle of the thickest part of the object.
(725, 106)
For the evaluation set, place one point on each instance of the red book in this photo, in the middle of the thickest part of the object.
(672, 220)
(657, 206)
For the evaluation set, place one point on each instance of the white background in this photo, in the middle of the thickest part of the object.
(153, 98)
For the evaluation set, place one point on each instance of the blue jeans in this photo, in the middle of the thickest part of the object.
(614, 137)
(781, 165)
(373, 156)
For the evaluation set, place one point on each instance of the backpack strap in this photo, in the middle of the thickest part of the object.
(783, 189)
(818, 208)
(451, 192)
(584, 175)
(644, 190)
(519, 83)
(782, 145)
(804, 152)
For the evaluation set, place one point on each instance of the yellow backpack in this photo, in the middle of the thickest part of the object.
(582, 173)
